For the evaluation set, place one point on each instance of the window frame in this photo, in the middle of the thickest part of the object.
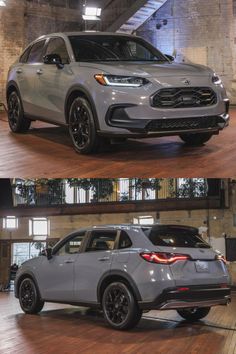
(103, 231)
(31, 226)
(57, 37)
(43, 51)
(28, 49)
(68, 238)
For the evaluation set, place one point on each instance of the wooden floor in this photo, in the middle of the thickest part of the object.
(46, 151)
(65, 329)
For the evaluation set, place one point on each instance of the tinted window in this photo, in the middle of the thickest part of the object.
(113, 48)
(58, 46)
(24, 57)
(124, 241)
(72, 246)
(175, 237)
(36, 53)
(101, 241)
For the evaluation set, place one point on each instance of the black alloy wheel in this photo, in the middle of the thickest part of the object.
(29, 298)
(17, 121)
(120, 307)
(194, 314)
(82, 127)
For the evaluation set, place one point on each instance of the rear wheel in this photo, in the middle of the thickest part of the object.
(120, 308)
(30, 301)
(82, 127)
(17, 121)
(196, 139)
(194, 314)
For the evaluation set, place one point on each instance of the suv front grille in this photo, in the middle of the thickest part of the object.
(182, 124)
(184, 97)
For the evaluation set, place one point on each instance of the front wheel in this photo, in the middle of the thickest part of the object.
(120, 308)
(30, 301)
(82, 127)
(16, 119)
(194, 314)
(196, 139)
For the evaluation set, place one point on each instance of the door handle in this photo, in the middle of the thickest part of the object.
(19, 71)
(69, 261)
(39, 72)
(104, 259)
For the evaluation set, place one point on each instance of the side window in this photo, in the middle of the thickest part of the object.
(58, 46)
(101, 241)
(36, 53)
(72, 246)
(124, 241)
(25, 55)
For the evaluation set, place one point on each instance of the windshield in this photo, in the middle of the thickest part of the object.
(175, 237)
(114, 48)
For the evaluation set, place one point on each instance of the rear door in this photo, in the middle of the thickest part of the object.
(27, 73)
(92, 263)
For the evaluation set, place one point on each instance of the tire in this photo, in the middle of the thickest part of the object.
(30, 301)
(16, 119)
(196, 139)
(82, 127)
(194, 314)
(120, 307)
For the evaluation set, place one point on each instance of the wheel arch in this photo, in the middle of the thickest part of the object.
(12, 86)
(118, 275)
(80, 91)
(23, 276)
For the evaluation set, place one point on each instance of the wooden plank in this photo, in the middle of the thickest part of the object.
(64, 329)
(46, 151)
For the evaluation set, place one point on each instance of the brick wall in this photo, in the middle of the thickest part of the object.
(200, 31)
(23, 21)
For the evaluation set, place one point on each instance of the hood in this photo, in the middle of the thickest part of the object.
(151, 69)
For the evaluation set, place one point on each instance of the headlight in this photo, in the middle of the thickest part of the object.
(216, 79)
(122, 81)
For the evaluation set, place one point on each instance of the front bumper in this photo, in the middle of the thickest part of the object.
(117, 117)
(194, 297)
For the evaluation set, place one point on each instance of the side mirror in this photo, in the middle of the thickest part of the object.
(53, 59)
(170, 57)
(47, 253)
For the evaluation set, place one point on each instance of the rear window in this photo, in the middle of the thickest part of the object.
(175, 237)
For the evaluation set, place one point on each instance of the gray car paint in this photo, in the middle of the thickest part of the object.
(44, 95)
(76, 278)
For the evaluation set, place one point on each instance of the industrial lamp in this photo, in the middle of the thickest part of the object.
(91, 13)
(2, 2)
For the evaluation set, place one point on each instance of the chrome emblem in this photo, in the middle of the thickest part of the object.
(186, 82)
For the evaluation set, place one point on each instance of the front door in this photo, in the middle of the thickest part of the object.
(57, 275)
(93, 263)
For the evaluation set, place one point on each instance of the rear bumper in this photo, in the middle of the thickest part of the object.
(117, 117)
(195, 296)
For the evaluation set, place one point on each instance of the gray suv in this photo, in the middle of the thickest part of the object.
(125, 270)
(109, 87)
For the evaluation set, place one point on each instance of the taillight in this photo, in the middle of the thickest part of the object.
(219, 257)
(163, 258)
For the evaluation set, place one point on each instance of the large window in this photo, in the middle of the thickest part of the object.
(26, 250)
(39, 228)
(10, 222)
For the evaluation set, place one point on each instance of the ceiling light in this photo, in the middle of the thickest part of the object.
(2, 3)
(92, 13)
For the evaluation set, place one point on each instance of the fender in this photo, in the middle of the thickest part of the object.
(78, 87)
(122, 274)
(24, 275)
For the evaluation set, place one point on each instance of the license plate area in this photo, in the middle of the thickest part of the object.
(202, 267)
